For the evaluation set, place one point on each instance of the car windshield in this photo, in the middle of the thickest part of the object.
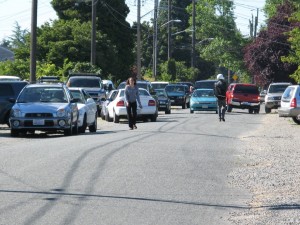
(90, 83)
(179, 88)
(160, 93)
(159, 85)
(77, 94)
(277, 88)
(42, 94)
(203, 93)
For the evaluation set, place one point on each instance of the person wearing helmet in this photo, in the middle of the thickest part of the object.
(220, 93)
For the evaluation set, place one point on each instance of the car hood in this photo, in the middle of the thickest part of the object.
(203, 99)
(40, 107)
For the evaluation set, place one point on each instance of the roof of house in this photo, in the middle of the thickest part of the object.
(6, 54)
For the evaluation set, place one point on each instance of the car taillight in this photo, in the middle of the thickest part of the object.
(120, 103)
(231, 95)
(293, 103)
(151, 103)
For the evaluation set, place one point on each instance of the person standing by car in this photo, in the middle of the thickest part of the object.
(220, 93)
(131, 98)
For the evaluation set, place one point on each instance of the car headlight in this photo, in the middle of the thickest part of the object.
(16, 113)
(61, 113)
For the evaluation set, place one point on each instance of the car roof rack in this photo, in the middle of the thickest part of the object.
(49, 79)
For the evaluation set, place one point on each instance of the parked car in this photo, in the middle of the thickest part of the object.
(44, 107)
(116, 108)
(9, 78)
(111, 96)
(203, 100)
(93, 85)
(243, 96)
(8, 90)
(189, 84)
(273, 96)
(290, 103)
(159, 84)
(164, 102)
(205, 84)
(262, 95)
(179, 95)
(87, 108)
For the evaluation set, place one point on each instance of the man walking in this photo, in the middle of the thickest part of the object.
(220, 93)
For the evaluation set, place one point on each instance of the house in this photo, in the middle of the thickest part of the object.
(6, 54)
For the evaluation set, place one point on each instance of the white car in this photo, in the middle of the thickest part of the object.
(116, 109)
(87, 108)
(290, 103)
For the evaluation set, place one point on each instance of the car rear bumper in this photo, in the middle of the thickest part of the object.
(244, 105)
(272, 105)
(288, 112)
(204, 107)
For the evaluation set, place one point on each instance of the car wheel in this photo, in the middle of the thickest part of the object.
(68, 132)
(84, 125)
(229, 108)
(168, 111)
(250, 111)
(153, 118)
(184, 105)
(267, 110)
(216, 111)
(99, 112)
(75, 128)
(191, 111)
(93, 127)
(116, 118)
(14, 133)
(102, 115)
(296, 120)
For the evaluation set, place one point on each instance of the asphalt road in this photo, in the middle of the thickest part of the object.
(170, 172)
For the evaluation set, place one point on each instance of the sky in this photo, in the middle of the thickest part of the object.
(12, 11)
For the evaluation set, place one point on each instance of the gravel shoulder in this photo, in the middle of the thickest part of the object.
(268, 166)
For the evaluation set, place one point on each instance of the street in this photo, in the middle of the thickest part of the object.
(180, 170)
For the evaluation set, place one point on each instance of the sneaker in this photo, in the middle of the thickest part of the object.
(130, 128)
(134, 126)
(223, 119)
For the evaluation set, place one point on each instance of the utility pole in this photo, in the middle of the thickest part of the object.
(139, 40)
(155, 40)
(93, 34)
(193, 35)
(256, 23)
(33, 41)
(169, 30)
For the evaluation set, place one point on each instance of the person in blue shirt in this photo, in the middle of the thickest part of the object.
(131, 98)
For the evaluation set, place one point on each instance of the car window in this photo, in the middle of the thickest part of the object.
(91, 83)
(159, 85)
(6, 90)
(205, 84)
(288, 93)
(277, 88)
(143, 92)
(179, 88)
(160, 93)
(77, 94)
(246, 89)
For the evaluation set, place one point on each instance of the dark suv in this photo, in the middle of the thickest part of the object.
(243, 96)
(9, 90)
(179, 95)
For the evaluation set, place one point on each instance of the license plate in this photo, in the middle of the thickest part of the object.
(245, 103)
(38, 122)
(204, 106)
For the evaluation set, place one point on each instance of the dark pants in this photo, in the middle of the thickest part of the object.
(221, 108)
(131, 113)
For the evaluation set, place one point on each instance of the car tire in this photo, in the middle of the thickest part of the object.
(93, 127)
(216, 111)
(191, 111)
(229, 108)
(75, 128)
(153, 118)
(84, 125)
(184, 105)
(297, 121)
(116, 118)
(14, 133)
(168, 111)
(267, 110)
(99, 112)
(250, 111)
(102, 115)
(68, 132)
